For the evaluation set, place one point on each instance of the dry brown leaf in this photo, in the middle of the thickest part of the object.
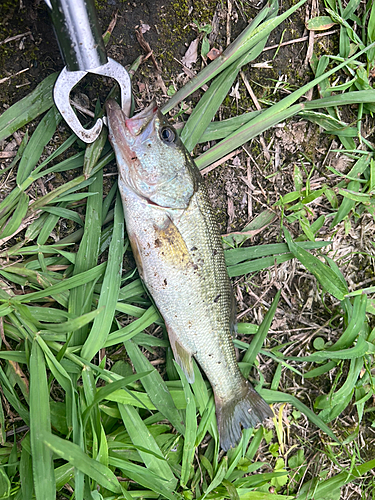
(191, 55)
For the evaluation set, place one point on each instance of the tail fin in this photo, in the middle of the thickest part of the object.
(246, 408)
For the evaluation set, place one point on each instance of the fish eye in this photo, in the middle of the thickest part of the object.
(167, 135)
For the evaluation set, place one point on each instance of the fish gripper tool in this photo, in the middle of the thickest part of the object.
(81, 45)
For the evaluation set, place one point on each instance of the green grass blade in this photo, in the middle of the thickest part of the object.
(257, 342)
(258, 264)
(218, 130)
(144, 477)
(324, 274)
(102, 455)
(28, 108)
(4, 483)
(40, 423)
(64, 213)
(26, 475)
(40, 138)
(19, 153)
(80, 299)
(64, 285)
(103, 392)
(206, 108)
(335, 402)
(9, 202)
(219, 476)
(129, 331)
(110, 288)
(93, 152)
(3, 436)
(355, 326)
(347, 205)
(48, 225)
(89, 391)
(63, 379)
(155, 387)
(75, 184)
(32, 249)
(208, 419)
(361, 348)
(63, 475)
(134, 398)
(190, 430)
(70, 163)
(75, 197)
(320, 370)
(203, 402)
(73, 454)
(247, 132)
(237, 255)
(143, 439)
(48, 314)
(133, 289)
(15, 221)
(261, 495)
(13, 398)
(258, 224)
(72, 324)
(254, 444)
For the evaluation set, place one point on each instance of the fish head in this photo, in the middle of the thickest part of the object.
(151, 158)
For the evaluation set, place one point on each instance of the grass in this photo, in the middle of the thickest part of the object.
(76, 422)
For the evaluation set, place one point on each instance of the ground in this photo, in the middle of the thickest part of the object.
(250, 181)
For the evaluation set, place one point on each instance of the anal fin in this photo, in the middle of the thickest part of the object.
(182, 356)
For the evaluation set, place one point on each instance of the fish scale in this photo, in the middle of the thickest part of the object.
(179, 255)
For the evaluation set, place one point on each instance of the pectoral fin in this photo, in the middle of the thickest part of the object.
(137, 253)
(182, 356)
(233, 314)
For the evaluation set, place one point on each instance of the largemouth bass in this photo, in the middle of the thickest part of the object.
(178, 250)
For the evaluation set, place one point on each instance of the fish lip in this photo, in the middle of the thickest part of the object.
(126, 130)
(113, 109)
(119, 136)
(139, 124)
(116, 121)
(111, 105)
(128, 137)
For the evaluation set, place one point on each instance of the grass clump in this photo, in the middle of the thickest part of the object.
(77, 421)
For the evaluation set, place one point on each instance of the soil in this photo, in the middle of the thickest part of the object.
(245, 185)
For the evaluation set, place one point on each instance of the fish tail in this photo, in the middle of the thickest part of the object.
(246, 409)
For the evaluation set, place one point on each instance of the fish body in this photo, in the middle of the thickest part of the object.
(177, 247)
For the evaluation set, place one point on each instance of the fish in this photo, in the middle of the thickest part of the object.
(178, 250)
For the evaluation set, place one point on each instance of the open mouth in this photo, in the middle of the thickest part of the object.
(139, 123)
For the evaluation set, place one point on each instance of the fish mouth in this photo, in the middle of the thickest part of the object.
(123, 128)
(116, 123)
(140, 123)
(127, 136)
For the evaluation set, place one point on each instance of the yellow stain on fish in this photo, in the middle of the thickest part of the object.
(170, 245)
(179, 254)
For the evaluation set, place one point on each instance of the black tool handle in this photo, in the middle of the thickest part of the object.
(78, 33)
